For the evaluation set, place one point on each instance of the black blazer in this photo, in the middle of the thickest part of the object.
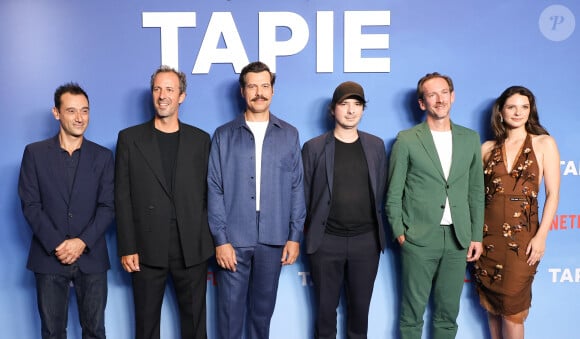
(318, 159)
(144, 203)
(54, 215)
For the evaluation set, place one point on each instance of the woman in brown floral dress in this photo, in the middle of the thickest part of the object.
(515, 163)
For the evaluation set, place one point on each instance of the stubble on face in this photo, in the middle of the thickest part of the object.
(73, 114)
(437, 99)
(348, 113)
(257, 93)
(167, 95)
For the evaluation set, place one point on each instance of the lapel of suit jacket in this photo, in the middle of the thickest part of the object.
(458, 143)
(149, 148)
(56, 167)
(426, 139)
(369, 155)
(329, 148)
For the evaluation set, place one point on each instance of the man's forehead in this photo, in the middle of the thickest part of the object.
(435, 84)
(71, 98)
(166, 79)
(263, 76)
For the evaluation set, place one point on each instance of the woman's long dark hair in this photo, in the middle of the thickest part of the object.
(533, 125)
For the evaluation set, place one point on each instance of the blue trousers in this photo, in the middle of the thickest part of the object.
(248, 295)
(52, 291)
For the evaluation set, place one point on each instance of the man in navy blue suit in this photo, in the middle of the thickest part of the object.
(66, 189)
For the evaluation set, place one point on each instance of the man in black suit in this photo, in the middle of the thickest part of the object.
(160, 192)
(66, 190)
(344, 185)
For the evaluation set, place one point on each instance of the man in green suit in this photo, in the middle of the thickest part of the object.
(435, 204)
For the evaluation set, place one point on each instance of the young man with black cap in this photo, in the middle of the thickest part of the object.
(344, 185)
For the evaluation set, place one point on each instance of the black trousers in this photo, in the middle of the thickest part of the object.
(190, 288)
(352, 262)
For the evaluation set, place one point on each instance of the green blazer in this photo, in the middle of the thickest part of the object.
(417, 187)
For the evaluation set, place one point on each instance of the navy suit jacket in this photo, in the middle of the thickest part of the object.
(318, 159)
(55, 215)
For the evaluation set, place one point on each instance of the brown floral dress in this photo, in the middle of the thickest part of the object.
(502, 276)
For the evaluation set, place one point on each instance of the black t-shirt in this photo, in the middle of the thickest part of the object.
(168, 143)
(351, 211)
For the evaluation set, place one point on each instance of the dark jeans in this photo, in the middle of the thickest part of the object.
(52, 292)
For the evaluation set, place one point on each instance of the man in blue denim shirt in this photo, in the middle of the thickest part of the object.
(256, 207)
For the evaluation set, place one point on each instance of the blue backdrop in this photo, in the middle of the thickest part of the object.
(112, 47)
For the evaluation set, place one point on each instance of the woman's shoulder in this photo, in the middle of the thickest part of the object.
(487, 146)
(486, 149)
(543, 143)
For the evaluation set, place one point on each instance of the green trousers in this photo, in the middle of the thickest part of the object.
(438, 268)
